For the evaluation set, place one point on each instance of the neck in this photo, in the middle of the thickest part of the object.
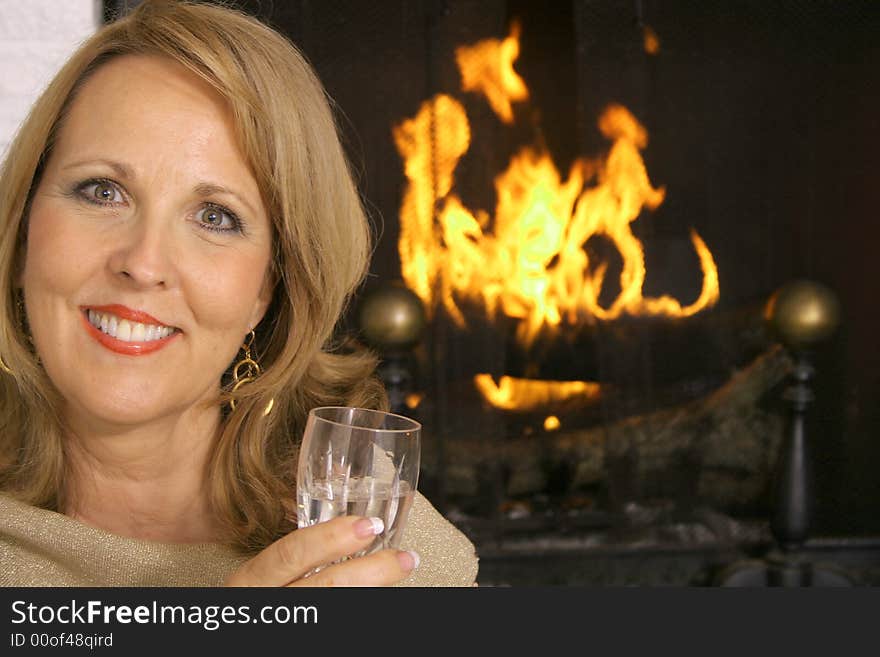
(147, 482)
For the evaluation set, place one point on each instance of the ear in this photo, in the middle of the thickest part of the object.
(261, 303)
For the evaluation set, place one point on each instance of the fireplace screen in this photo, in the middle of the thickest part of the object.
(555, 274)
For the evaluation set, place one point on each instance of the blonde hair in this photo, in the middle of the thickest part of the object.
(287, 132)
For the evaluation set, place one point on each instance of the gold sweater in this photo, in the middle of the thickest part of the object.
(44, 548)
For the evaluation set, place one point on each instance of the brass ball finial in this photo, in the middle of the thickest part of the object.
(802, 313)
(392, 317)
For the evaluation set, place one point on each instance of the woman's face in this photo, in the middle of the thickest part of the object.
(148, 246)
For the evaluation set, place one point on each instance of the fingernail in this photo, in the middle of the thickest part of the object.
(408, 560)
(368, 527)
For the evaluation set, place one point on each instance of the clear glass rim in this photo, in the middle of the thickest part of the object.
(317, 414)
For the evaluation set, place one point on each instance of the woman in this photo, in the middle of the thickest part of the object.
(177, 202)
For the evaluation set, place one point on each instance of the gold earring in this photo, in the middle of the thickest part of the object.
(247, 369)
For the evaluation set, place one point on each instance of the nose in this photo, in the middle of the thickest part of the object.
(143, 256)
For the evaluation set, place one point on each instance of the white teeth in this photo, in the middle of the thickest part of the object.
(125, 330)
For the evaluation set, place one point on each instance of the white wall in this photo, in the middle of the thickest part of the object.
(36, 36)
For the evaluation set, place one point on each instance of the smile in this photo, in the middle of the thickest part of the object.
(125, 331)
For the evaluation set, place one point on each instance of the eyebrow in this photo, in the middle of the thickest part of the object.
(204, 189)
(123, 170)
(210, 189)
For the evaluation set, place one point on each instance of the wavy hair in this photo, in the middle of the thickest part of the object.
(321, 247)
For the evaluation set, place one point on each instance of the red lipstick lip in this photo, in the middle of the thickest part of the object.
(126, 348)
(126, 313)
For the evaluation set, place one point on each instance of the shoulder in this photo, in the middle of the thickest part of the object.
(447, 556)
(39, 547)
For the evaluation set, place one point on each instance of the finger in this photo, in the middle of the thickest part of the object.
(382, 568)
(292, 556)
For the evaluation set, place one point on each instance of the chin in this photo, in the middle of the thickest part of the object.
(125, 412)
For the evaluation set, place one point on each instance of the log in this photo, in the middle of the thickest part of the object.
(718, 449)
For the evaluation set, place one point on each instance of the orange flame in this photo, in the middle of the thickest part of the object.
(651, 41)
(527, 261)
(530, 395)
(487, 67)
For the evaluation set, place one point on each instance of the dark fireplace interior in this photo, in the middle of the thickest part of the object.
(763, 129)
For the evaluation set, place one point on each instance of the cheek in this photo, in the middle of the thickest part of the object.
(54, 258)
(224, 296)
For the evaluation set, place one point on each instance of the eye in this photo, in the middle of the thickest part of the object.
(218, 218)
(102, 192)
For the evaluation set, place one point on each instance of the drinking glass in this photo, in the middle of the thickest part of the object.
(355, 461)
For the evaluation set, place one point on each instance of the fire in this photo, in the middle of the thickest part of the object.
(528, 395)
(651, 40)
(551, 423)
(487, 67)
(527, 260)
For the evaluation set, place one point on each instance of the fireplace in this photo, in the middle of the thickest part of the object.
(620, 419)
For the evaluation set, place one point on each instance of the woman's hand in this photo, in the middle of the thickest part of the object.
(287, 560)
